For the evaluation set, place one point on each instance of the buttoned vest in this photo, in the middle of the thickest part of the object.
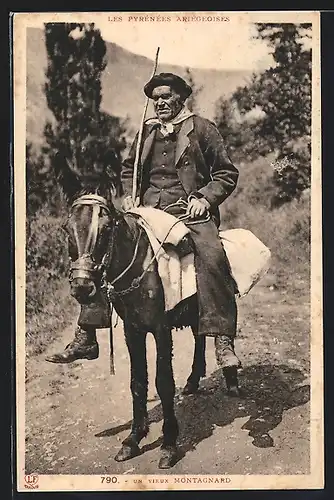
(164, 183)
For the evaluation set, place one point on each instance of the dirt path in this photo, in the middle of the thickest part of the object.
(77, 415)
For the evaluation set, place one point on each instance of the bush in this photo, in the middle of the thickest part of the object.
(41, 183)
(48, 303)
(285, 229)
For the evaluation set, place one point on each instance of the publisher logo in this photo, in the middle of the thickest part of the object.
(31, 481)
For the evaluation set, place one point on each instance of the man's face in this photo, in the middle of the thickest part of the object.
(167, 103)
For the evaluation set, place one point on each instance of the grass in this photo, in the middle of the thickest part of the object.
(49, 306)
(43, 328)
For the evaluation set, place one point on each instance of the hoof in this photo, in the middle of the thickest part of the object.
(234, 392)
(168, 458)
(190, 388)
(127, 452)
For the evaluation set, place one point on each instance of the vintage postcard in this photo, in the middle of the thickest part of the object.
(168, 251)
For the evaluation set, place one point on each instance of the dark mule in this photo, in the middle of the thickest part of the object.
(109, 250)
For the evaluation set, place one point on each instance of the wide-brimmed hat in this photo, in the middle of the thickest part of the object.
(174, 81)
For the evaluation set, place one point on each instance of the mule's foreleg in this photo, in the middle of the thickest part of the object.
(165, 385)
(136, 343)
(199, 366)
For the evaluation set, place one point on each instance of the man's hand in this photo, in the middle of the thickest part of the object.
(127, 203)
(197, 207)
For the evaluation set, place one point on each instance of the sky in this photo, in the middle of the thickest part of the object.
(201, 39)
(220, 45)
(217, 45)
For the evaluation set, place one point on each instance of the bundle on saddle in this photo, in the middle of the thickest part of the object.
(171, 243)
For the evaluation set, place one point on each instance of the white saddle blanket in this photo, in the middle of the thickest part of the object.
(249, 258)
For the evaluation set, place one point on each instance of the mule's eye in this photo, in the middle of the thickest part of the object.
(103, 221)
(103, 213)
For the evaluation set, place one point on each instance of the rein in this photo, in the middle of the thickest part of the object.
(185, 218)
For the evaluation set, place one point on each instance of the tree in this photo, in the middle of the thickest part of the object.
(192, 99)
(281, 95)
(238, 134)
(40, 181)
(34, 179)
(88, 138)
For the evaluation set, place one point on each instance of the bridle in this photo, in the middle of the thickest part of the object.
(85, 266)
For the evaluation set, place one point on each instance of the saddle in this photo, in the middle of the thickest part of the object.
(172, 245)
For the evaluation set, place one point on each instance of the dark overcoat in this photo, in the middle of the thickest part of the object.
(203, 165)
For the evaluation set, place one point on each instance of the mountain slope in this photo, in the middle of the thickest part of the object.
(122, 84)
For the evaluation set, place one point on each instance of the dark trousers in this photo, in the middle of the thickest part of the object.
(215, 285)
(97, 314)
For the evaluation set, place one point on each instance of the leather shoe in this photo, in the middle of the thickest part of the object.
(70, 354)
(83, 346)
(226, 357)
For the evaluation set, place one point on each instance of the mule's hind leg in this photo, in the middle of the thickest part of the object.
(136, 343)
(166, 389)
(199, 366)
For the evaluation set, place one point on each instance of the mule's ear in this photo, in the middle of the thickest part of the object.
(67, 176)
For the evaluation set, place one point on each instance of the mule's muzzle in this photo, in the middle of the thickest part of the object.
(82, 279)
(83, 290)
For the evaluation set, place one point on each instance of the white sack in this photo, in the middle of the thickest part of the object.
(249, 258)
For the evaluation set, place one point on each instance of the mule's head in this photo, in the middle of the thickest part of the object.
(89, 226)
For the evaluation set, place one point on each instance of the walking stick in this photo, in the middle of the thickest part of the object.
(140, 136)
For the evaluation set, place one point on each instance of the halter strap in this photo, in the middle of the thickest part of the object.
(93, 230)
(97, 202)
(92, 199)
